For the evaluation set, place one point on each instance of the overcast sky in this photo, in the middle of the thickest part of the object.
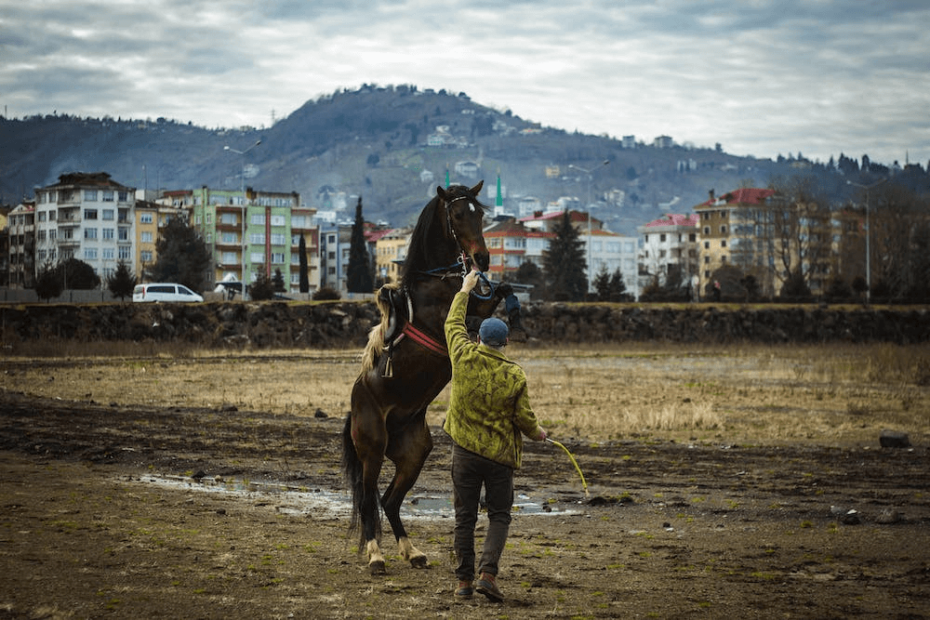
(761, 77)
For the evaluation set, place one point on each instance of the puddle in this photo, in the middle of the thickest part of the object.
(300, 500)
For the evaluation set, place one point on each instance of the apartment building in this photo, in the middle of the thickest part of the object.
(526, 240)
(87, 216)
(669, 250)
(250, 232)
(20, 257)
(390, 253)
(736, 229)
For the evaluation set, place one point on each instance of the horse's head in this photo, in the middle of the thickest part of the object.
(465, 215)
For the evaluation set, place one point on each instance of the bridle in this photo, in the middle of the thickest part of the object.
(462, 265)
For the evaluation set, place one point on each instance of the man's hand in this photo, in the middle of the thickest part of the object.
(541, 434)
(470, 281)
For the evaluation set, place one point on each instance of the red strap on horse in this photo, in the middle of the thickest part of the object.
(424, 340)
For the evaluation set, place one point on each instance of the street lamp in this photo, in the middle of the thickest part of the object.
(244, 206)
(588, 209)
(868, 234)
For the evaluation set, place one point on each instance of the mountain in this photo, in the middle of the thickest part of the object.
(372, 142)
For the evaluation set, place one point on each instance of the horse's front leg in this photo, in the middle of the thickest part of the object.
(408, 450)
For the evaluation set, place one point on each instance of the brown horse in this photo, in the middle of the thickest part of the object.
(400, 378)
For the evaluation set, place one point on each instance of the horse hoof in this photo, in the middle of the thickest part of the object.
(419, 562)
(377, 568)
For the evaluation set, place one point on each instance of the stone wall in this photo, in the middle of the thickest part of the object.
(346, 324)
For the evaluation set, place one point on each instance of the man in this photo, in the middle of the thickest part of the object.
(489, 409)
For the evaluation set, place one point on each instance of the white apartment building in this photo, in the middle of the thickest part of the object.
(86, 216)
(670, 249)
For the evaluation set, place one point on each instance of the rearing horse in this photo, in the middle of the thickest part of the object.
(398, 380)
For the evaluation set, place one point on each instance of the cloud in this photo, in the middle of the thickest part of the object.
(762, 77)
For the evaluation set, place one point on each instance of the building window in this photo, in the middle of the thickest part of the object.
(108, 253)
(707, 245)
(125, 252)
(723, 230)
(146, 237)
(90, 195)
(109, 234)
(108, 195)
(692, 237)
(90, 214)
(723, 243)
(707, 230)
(662, 238)
(90, 233)
(145, 218)
(90, 253)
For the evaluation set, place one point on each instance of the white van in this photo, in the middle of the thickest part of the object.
(165, 292)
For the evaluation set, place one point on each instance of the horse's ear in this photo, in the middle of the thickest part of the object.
(441, 193)
(476, 190)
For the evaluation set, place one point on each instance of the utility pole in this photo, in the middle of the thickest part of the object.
(587, 207)
(868, 234)
(245, 245)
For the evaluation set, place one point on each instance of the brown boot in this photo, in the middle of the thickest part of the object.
(487, 585)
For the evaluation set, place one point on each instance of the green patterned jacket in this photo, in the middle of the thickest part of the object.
(489, 406)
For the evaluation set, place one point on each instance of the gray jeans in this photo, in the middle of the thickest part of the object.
(469, 472)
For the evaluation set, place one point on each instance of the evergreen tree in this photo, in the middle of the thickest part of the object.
(602, 284)
(183, 257)
(565, 263)
(121, 282)
(48, 282)
(277, 281)
(77, 275)
(617, 286)
(304, 269)
(359, 278)
(262, 287)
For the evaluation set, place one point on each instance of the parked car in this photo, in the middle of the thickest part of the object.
(164, 292)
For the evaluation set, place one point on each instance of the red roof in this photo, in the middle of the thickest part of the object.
(675, 219)
(742, 196)
(374, 235)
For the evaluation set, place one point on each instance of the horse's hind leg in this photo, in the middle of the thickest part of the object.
(408, 450)
(370, 439)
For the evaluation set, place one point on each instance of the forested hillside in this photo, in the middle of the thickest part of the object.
(373, 142)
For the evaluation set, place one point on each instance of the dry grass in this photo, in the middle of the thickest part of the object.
(830, 394)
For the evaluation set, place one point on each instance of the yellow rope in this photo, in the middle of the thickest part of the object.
(575, 463)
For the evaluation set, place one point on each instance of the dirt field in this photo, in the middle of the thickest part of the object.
(164, 487)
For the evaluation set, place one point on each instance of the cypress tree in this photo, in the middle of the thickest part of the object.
(304, 270)
(359, 278)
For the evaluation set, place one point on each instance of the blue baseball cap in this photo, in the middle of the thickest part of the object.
(493, 332)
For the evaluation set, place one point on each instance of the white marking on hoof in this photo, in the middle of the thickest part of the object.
(410, 553)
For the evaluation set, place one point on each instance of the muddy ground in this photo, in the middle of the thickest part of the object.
(110, 510)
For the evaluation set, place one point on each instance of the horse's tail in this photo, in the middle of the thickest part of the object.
(352, 470)
(376, 334)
